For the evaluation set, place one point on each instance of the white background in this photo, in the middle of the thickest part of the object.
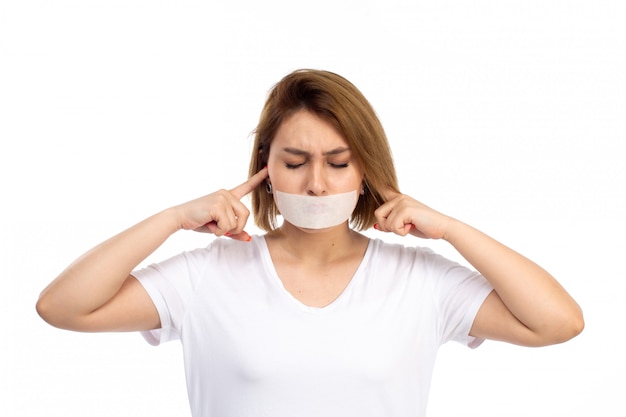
(509, 115)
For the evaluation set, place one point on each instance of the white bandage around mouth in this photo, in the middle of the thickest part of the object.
(313, 212)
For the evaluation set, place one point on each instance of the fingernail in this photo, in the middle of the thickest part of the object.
(376, 226)
(249, 239)
(227, 234)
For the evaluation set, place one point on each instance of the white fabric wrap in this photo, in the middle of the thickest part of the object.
(316, 212)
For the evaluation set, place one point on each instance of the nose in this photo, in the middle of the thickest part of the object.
(316, 180)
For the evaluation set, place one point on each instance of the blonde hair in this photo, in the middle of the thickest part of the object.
(337, 101)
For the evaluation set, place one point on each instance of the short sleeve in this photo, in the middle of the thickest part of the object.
(459, 294)
(170, 286)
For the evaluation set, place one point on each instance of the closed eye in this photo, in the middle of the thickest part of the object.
(295, 166)
(292, 166)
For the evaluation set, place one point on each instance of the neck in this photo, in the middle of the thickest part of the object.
(317, 246)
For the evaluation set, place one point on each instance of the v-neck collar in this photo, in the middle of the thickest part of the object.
(270, 268)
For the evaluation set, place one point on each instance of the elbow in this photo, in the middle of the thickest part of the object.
(577, 324)
(59, 312)
(52, 311)
(45, 310)
(568, 327)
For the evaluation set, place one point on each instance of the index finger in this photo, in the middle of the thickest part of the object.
(389, 193)
(247, 187)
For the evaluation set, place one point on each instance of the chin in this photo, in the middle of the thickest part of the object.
(340, 226)
(316, 231)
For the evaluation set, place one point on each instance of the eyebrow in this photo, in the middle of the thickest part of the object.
(300, 152)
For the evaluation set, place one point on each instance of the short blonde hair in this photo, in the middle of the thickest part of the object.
(337, 101)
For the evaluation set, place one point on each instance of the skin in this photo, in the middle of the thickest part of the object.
(307, 156)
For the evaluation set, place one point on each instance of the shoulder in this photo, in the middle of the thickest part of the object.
(219, 251)
(387, 252)
(398, 259)
(412, 260)
(223, 249)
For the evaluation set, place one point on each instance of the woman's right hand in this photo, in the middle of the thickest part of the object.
(97, 291)
(221, 213)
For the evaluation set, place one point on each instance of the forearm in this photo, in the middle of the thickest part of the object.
(529, 292)
(95, 277)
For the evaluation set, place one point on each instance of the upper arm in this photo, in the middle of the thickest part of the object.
(494, 321)
(131, 309)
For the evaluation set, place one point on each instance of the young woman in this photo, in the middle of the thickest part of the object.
(312, 318)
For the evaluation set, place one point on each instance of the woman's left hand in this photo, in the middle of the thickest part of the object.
(404, 215)
(527, 307)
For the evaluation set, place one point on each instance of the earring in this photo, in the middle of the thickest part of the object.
(362, 190)
(268, 187)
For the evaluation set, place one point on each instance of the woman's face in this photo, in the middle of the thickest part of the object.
(309, 157)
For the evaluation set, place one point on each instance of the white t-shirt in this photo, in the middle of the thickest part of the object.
(251, 349)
